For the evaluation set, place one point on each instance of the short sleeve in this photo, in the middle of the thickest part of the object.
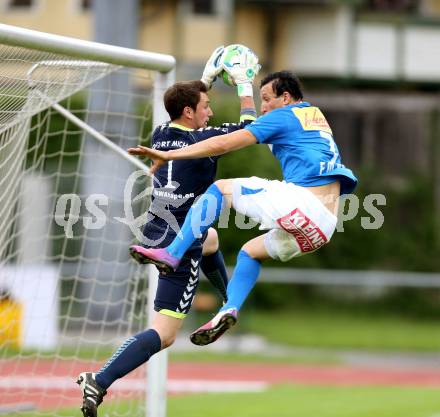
(268, 126)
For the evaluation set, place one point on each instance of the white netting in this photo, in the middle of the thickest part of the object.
(69, 293)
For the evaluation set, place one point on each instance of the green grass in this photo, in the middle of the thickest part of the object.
(291, 401)
(301, 401)
(332, 329)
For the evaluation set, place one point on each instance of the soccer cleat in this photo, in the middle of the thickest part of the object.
(160, 257)
(212, 330)
(92, 393)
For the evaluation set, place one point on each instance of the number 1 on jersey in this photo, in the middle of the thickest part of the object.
(169, 183)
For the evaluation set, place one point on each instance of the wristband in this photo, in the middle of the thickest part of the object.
(245, 90)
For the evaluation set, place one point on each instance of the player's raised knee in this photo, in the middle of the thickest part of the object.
(256, 249)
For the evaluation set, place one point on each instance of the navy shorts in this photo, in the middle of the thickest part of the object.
(176, 290)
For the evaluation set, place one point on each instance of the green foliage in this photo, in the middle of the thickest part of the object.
(61, 150)
(406, 240)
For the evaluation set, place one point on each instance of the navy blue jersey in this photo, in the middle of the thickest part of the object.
(178, 183)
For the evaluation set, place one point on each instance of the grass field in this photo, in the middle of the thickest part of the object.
(330, 328)
(293, 401)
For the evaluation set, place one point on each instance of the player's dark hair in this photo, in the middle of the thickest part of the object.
(183, 94)
(284, 81)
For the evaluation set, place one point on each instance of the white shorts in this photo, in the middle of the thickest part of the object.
(298, 221)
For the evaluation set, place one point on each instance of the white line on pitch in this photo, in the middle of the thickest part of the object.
(131, 384)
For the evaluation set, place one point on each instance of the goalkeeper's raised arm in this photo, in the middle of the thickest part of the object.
(236, 65)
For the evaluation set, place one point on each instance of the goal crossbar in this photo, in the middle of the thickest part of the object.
(78, 48)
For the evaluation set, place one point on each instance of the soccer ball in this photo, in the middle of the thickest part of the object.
(234, 55)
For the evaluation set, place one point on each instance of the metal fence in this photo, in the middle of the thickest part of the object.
(350, 278)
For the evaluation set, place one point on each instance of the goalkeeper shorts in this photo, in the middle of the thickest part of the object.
(176, 290)
(298, 221)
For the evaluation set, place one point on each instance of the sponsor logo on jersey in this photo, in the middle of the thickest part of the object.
(311, 118)
(307, 234)
(172, 196)
(169, 144)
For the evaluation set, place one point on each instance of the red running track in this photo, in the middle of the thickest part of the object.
(50, 384)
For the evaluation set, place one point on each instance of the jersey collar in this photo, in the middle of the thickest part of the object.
(177, 126)
(301, 104)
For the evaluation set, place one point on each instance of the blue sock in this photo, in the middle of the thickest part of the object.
(243, 280)
(198, 220)
(134, 352)
(213, 266)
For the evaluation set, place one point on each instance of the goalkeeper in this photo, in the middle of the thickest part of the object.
(299, 212)
(176, 186)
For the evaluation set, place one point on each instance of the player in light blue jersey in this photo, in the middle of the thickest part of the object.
(299, 212)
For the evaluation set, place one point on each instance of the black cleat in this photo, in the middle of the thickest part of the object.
(92, 394)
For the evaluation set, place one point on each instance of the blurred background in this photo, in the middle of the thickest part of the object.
(373, 67)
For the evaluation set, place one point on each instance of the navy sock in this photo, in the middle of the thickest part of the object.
(134, 352)
(242, 281)
(213, 266)
(198, 220)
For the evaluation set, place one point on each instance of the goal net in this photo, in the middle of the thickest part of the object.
(71, 202)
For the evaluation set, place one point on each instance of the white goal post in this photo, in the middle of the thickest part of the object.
(69, 109)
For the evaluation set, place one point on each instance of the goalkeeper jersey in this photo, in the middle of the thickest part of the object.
(301, 139)
(178, 183)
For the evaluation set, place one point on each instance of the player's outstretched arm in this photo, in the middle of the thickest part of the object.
(217, 145)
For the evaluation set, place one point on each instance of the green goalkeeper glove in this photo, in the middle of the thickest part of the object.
(242, 66)
(213, 67)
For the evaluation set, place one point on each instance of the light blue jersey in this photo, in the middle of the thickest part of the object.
(301, 139)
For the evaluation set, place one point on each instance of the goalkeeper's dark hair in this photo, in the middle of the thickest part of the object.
(183, 94)
(284, 81)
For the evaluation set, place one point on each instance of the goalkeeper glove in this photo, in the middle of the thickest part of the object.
(213, 67)
(241, 64)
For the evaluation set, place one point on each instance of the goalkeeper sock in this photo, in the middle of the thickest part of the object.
(134, 352)
(243, 280)
(198, 220)
(213, 266)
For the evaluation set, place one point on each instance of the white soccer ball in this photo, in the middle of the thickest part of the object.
(233, 55)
